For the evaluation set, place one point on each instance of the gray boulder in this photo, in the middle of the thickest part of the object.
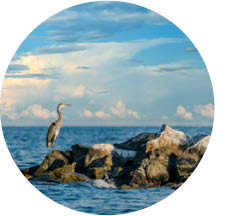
(136, 143)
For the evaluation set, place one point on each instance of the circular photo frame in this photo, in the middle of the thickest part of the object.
(107, 107)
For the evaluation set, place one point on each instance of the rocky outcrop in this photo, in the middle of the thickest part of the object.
(151, 170)
(169, 139)
(165, 158)
(200, 146)
(195, 139)
(69, 177)
(136, 143)
(157, 164)
(95, 161)
(29, 172)
(52, 161)
(191, 157)
(99, 151)
(55, 174)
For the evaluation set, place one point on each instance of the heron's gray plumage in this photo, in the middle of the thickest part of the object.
(54, 128)
(52, 134)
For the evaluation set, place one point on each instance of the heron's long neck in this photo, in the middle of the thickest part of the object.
(60, 118)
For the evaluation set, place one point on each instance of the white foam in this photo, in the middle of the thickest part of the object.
(102, 184)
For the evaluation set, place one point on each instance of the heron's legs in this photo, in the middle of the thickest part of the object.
(52, 149)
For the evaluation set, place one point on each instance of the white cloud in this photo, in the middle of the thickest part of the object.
(122, 18)
(7, 109)
(79, 91)
(177, 69)
(105, 63)
(103, 59)
(88, 113)
(38, 111)
(164, 118)
(205, 110)
(102, 114)
(33, 111)
(182, 112)
(94, 55)
(120, 110)
(16, 91)
(71, 91)
(134, 114)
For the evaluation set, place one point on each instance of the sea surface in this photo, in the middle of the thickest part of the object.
(27, 147)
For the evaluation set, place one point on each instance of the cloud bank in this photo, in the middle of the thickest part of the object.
(183, 113)
(115, 63)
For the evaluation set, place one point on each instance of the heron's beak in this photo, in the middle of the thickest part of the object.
(67, 105)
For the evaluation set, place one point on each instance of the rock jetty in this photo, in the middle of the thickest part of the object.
(162, 159)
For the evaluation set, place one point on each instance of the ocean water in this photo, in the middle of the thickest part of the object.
(27, 147)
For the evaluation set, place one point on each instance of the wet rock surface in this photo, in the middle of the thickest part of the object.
(163, 159)
(69, 177)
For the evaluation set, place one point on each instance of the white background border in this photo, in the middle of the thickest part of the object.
(209, 25)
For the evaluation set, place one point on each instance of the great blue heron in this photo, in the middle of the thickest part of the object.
(54, 128)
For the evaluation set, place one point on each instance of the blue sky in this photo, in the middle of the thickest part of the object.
(116, 63)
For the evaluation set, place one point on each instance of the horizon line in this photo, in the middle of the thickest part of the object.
(110, 125)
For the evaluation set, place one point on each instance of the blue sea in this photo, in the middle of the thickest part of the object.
(27, 147)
